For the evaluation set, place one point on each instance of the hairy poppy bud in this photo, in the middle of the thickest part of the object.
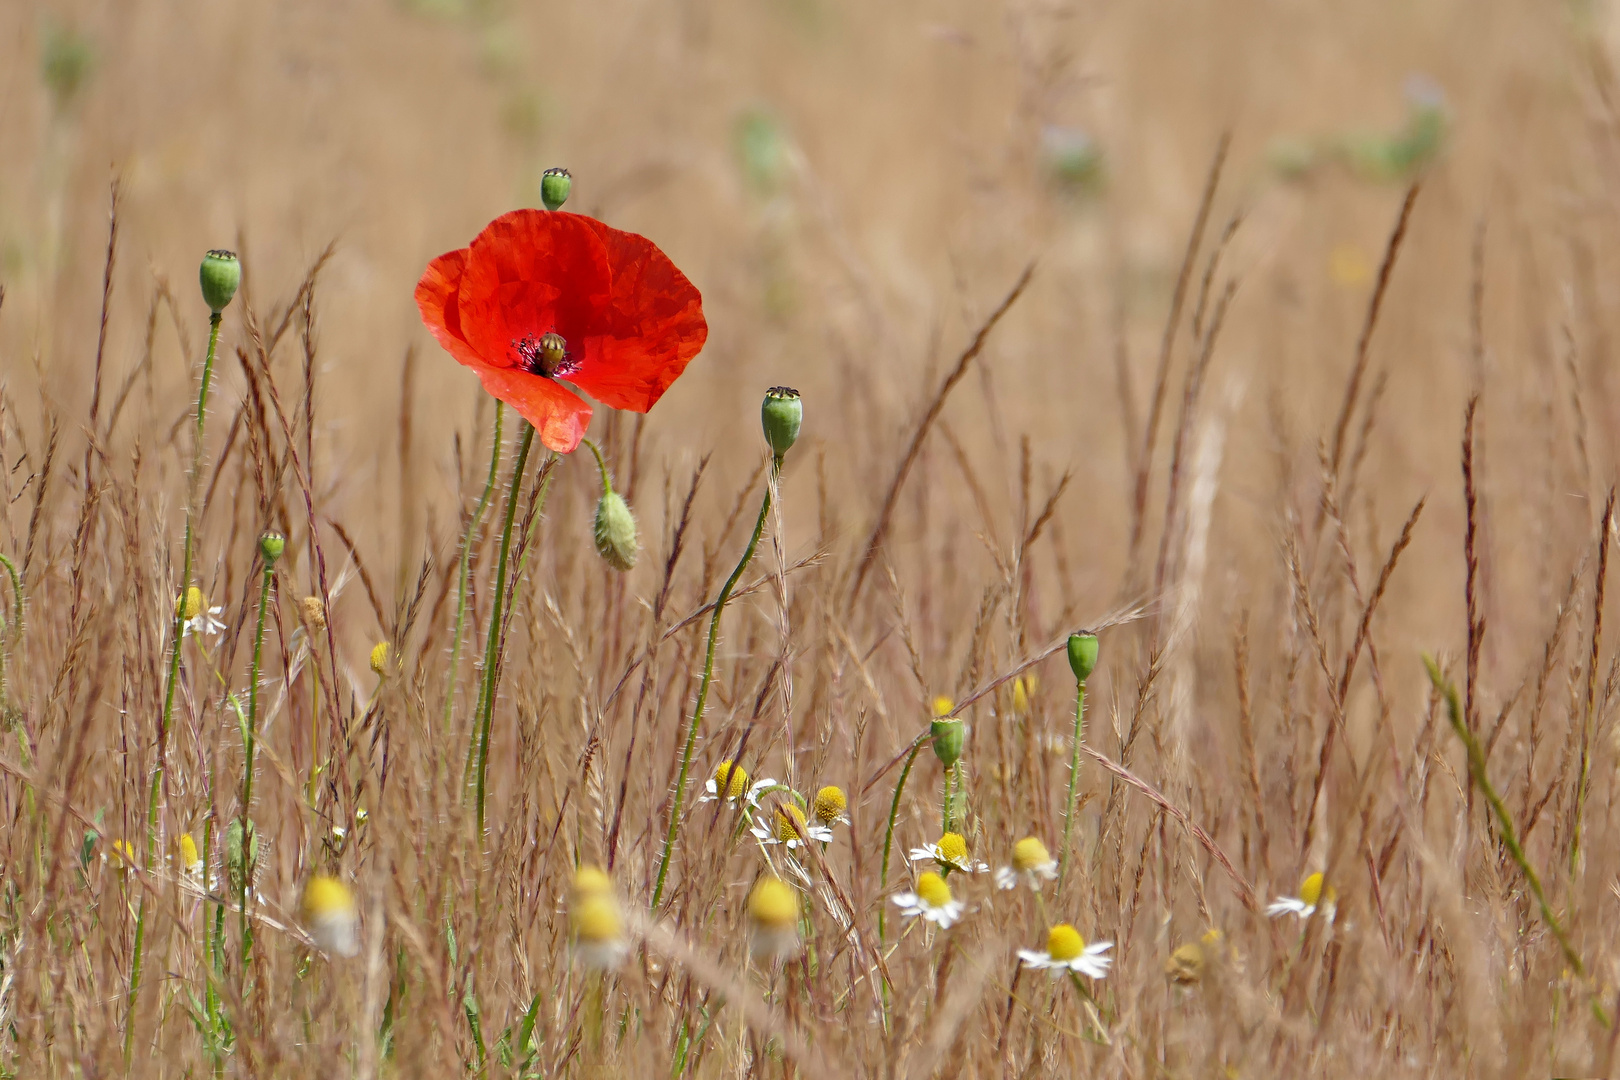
(271, 545)
(554, 187)
(781, 415)
(948, 734)
(221, 273)
(616, 531)
(1083, 655)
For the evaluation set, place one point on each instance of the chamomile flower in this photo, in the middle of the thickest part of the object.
(123, 856)
(735, 777)
(773, 913)
(932, 900)
(1311, 893)
(200, 619)
(190, 860)
(951, 853)
(1031, 862)
(789, 827)
(331, 916)
(830, 805)
(594, 922)
(1067, 951)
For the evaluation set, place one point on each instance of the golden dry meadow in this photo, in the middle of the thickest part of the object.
(1265, 347)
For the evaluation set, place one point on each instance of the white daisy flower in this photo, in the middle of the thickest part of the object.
(1031, 862)
(932, 901)
(1311, 893)
(829, 806)
(950, 853)
(789, 822)
(735, 777)
(200, 619)
(1067, 951)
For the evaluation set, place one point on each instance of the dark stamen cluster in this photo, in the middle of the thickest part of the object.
(546, 355)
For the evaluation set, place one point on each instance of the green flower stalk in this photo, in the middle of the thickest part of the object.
(1082, 661)
(780, 416)
(219, 277)
(271, 545)
(466, 566)
(493, 640)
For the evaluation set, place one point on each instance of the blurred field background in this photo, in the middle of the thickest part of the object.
(854, 187)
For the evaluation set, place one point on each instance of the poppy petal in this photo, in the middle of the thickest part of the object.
(529, 273)
(437, 298)
(651, 328)
(558, 415)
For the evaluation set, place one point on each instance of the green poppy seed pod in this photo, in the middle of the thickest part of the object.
(781, 414)
(271, 545)
(220, 275)
(948, 734)
(554, 187)
(616, 531)
(1083, 655)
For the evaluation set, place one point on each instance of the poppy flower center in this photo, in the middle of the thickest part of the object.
(545, 355)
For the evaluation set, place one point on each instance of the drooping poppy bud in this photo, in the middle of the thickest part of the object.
(616, 531)
(221, 274)
(554, 187)
(271, 545)
(1083, 655)
(781, 414)
(948, 734)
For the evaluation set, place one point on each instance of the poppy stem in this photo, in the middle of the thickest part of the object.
(492, 646)
(466, 566)
(607, 478)
(708, 676)
(174, 677)
(252, 733)
(1074, 773)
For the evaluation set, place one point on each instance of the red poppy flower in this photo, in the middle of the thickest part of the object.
(542, 296)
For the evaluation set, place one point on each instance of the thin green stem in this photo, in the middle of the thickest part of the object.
(466, 566)
(247, 768)
(168, 692)
(1510, 838)
(894, 813)
(1074, 775)
(492, 647)
(601, 464)
(708, 677)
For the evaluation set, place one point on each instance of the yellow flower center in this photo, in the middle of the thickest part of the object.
(1212, 936)
(188, 850)
(1063, 942)
(790, 823)
(952, 849)
(589, 881)
(1029, 853)
(830, 803)
(1312, 891)
(326, 896)
(932, 890)
(193, 604)
(379, 658)
(596, 920)
(125, 853)
(738, 782)
(772, 905)
(1186, 964)
(943, 707)
(1023, 687)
